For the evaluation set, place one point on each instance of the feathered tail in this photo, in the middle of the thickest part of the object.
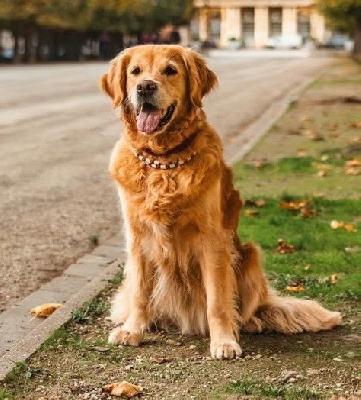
(263, 310)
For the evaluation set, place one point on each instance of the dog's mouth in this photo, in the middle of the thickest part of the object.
(150, 118)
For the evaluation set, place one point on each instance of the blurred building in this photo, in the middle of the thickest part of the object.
(253, 22)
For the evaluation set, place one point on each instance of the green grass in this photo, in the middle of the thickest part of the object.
(334, 163)
(23, 370)
(89, 310)
(288, 165)
(319, 250)
(249, 387)
(6, 395)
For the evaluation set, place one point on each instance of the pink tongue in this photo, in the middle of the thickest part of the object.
(148, 121)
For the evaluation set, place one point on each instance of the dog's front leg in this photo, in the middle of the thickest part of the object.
(137, 295)
(218, 279)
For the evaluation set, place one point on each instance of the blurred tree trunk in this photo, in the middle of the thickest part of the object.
(17, 56)
(30, 44)
(357, 39)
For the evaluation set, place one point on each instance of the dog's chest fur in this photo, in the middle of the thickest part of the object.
(164, 197)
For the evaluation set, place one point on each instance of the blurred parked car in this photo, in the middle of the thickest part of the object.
(208, 44)
(284, 42)
(338, 42)
(6, 55)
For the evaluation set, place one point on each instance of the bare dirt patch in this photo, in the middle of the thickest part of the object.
(77, 362)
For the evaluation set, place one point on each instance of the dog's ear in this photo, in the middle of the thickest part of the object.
(201, 79)
(114, 82)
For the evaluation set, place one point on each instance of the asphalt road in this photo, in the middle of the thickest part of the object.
(56, 134)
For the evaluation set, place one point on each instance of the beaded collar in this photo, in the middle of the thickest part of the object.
(154, 163)
(150, 159)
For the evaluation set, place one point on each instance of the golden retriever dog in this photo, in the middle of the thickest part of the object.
(186, 265)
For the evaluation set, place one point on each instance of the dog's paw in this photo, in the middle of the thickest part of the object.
(120, 336)
(225, 349)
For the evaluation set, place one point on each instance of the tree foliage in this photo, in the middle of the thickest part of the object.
(342, 14)
(110, 15)
(345, 15)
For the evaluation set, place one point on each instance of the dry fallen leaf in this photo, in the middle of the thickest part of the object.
(122, 389)
(307, 267)
(251, 213)
(258, 164)
(321, 173)
(350, 228)
(293, 205)
(355, 249)
(356, 125)
(353, 163)
(256, 203)
(337, 224)
(316, 137)
(284, 247)
(333, 135)
(334, 278)
(307, 212)
(295, 288)
(45, 310)
(260, 203)
(341, 225)
(302, 153)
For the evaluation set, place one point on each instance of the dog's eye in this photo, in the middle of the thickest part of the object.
(135, 71)
(169, 70)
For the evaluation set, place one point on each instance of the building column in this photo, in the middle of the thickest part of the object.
(318, 27)
(203, 25)
(289, 21)
(260, 26)
(230, 25)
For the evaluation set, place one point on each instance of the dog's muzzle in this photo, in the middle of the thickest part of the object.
(149, 117)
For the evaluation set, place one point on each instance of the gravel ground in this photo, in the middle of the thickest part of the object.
(56, 134)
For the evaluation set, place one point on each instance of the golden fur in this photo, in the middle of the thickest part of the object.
(187, 267)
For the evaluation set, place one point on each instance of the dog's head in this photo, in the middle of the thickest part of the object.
(157, 85)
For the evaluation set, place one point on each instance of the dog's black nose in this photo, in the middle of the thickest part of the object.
(146, 87)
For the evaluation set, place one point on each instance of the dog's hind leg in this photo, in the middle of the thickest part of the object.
(252, 286)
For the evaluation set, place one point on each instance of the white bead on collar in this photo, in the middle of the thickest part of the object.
(152, 162)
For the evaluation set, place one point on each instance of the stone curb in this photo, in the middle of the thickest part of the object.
(22, 336)
(249, 136)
